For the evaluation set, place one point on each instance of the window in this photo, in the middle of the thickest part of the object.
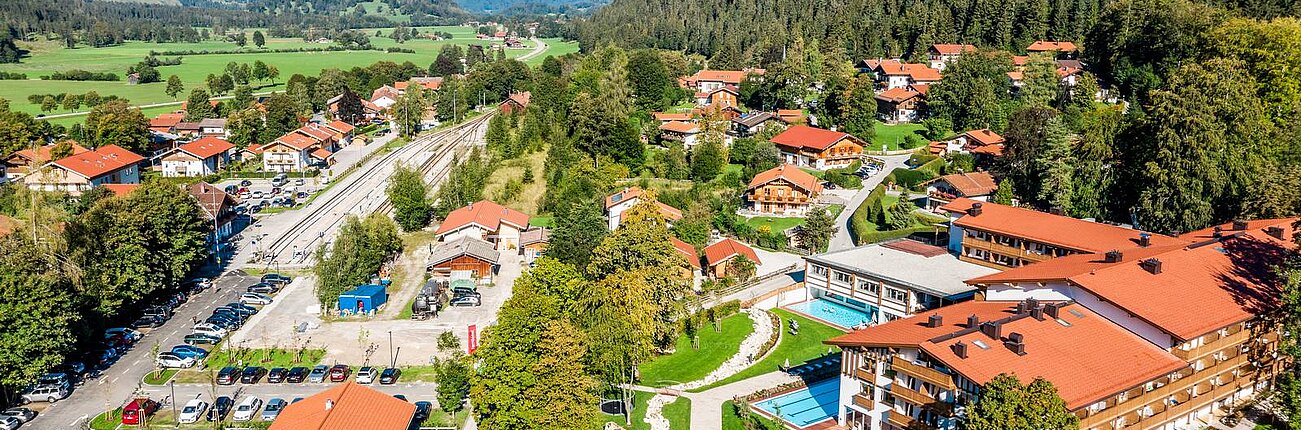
(819, 270)
(1006, 261)
(978, 254)
(896, 294)
(843, 277)
(869, 286)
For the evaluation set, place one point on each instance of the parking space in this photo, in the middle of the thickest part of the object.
(258, 194)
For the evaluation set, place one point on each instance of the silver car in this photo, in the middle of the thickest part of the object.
(48, 393)
(273, 408)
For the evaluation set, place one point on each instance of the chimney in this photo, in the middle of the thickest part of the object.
(1217, 232)
(992, 329)
(1053, 309)
(934, 321)
(1114, 256)
(1152, 265)
(329, 404)
(976, 209)
(1015, 337)
(1144, 239)
(960, 349)
(1275, 231)
(1037, 313)
(973, 321)
(1016, 343)
(1032, 303)
(1239, 224)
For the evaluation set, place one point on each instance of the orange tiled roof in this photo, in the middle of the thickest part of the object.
(921, 88)
(1056, 230)
(166, 120)
(102, 161)
(521, 98)
(725, 76)
(322, 153)
(791, 174)
(688, 252)
(1020, 60)
(43, 152)
(207, 147)
(622, 196)
(345, 407)
(315, 132)
(295, 140)
(805, 137)
(971, 184)
(341, 127)
(487, 214)
(1016, 75)
(790, 115)
(952, 48)
(680, 127)
(1201, 286)
(921, 73)
(985, 136)
(1051, 46)
(667, 116)
(897, 95)
(121, 189)
(669, 213)
(726, 249)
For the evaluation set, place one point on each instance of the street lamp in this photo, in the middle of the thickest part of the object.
(172, 384)
(391, 359)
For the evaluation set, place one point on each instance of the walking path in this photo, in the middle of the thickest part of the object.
(707, 406)
(842, 238)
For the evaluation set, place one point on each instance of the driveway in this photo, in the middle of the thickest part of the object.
(842, 238)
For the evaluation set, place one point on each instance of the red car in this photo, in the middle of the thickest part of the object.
(339, 373)
(138, 410)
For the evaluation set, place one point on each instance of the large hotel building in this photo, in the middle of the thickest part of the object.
(1135, 331)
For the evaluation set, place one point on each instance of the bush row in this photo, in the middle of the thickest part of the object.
(11, 76)
(81, 75)
(331, 48)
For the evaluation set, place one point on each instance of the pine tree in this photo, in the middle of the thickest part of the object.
(1056, 164)
(1004, 195)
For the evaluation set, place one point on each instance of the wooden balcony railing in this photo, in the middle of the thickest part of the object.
(1212, 346)
(920, 399)
(935, 377)
(865, 375)
(1010, 251)
(863, 401)
(901, 420)
(1178, 389)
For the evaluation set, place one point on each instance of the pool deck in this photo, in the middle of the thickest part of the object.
(828, 422)
(832, 324)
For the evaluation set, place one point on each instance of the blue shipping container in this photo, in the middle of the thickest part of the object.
(363, 299)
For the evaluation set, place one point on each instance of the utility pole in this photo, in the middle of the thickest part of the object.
(391, 358)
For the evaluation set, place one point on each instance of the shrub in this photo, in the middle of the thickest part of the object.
(908, 178)
(860, 222)
(727, 309)
(81, 75)
(11, 76)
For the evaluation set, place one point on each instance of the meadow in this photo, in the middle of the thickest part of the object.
(49, 56)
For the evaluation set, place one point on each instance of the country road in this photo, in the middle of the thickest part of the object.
(538, 48)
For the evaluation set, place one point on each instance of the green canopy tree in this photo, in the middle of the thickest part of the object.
(1006, 404)
(409, 194)
(197, 106)
(356, 254)
(117, 123)
(409, 110)
(174, 86)
(580, 227)
(39, 315)
(817, 230)
(858, 113)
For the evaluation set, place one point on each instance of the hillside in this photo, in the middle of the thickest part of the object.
(530, 6)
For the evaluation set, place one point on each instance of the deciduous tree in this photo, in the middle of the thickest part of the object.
(1006, 404)
(174, 86)
(409, 194)
(117, 123)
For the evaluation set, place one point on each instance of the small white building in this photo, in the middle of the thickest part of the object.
(618, 203)
(202, 157)
(214, 127)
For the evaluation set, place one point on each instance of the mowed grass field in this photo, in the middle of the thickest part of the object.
(47, 57)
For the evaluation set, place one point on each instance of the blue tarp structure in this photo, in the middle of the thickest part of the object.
(363, 299)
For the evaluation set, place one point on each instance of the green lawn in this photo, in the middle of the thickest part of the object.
(783, 223)
(796, 348)
(159, 378)
(423, 373)
(48, 56)
(438, 418)
(893, 135)
(679, 414)
(687, 364)
(259, 357)
(732, 419)
(639, 400)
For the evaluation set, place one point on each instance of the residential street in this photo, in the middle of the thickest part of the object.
(842, 238)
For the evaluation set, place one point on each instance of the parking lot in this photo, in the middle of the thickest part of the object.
(253, 192)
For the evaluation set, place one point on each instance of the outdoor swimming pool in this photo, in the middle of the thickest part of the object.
(810, 405)
(832, 312)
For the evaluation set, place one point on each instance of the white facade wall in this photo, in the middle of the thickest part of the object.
(615, 213)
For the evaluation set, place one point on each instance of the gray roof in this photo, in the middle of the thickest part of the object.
(940, 275)
(753, 119)
(476, 248)
(213, 122)
(534, 235)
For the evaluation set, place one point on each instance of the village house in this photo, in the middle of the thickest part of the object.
(688, 252)
(22, 161)
(899, 105)
(725, 96)
(385, 97)
(1170, 355)
(347, 406)
(187, 129)
(465, 257)
(707, 81)
(1069, 71)
(310, 145)
(942, 54)
(1062, 50)
(213, 127)
(817, 148)
(516, 103)
(1003, 237)
(753, 123)
(202, 157)
(218, 210)
(681, 131)
(487, 221)
(722, 253)
(976, 186)
(664, 117)
(891, 280)
(370, 111)
(75, 174)
(890, 74)
(533, 243)
(616, 204)
(983, 142)
(783, 191)
(792, 116)
(166, 123)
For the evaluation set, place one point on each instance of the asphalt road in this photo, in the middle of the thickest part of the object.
(842, 238)
(114, 386)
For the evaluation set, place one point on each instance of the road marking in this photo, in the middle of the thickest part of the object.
(135, 363)
(79, 420)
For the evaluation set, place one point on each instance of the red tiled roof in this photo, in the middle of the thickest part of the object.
(1051, 46)
(1201, 287)
(121, 189)
(322, 153)
(921, 73)
(897, 95)
(346, 407)
(791, 174)
(207, 147)
(669, 213)
(1056, 230)
(1016, 75)
(1020, 60)
(297, 140)
(971, 184)
(314, 131)
(622, 196)
(803, 136)
(725, 249)
(520, 98)
(680, 127)
(255, 148)
(341, 127)
(485, 213)
(386, 91)
(103, 160)
(914, 247)
(994, 150)
(42, 152)
(952, 48)
(210, 198)
(166, 120)
(912, 331)
(725, 76)
(665, 116)
(984, 136)
(921, 88)
(688, 252)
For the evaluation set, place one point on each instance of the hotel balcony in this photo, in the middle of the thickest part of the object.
(1212, 346)
(920, 399)
(998, 248)
(1173, 399)
(864, 401)
(934, 377)
(763, 198)
(865, 375)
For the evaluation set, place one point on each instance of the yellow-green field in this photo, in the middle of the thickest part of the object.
(49, 56)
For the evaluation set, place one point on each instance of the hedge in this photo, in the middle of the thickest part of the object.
(881, 236)
(934, 166)
(908, 178)
(859, 222)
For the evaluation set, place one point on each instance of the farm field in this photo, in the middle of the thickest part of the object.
(48, 57)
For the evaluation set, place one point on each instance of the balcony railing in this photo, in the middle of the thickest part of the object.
(1178, 389)
(921, 399)
(865, 375)
(934, 377)
(1212, 346)
(864, 402)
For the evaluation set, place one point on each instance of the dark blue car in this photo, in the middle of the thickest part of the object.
(190, 351)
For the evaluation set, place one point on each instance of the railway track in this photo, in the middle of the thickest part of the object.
(425, 168)
(368, 182)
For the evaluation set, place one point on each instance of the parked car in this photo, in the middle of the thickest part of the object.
(201, 339)
(246, 183)
(401, 397)
(231, 189)
(192, 411)
(240, 306)
(245, 195)
(147, 321)
(163, 311)
(227, 375)
(318, 374)
(423, 409)
(301, 195)
(226, 322)
(277, 375)
(300, 182)
(22, 414)
(255, 299)
(9, 423)
(198, 284)
(240, 311)
(247, 409)
(209, 329)
(339, 373)
(257, 194)
(48, 393)
(136, 412)
(252, 374)
(276, 279)
(76, 370)
(465, 301)
(262, 287)
(169, 360)
(390, 376)
(126, 333)
(54, 379)
(220, 408)
(366, 375)
(273, 408)
(190, 351)
(296, 375)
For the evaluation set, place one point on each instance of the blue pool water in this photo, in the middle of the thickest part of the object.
(813, 404)
(832, 312)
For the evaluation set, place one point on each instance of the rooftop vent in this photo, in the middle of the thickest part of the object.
(934, 321)
(1239, 224)
(329, 404)
(1015, 337)
(976, 209)
(1114, 256)
(992, 329)
(1032, 303)
(973, 321)
(960, 349)
(1037, 313)
(1016, 343)
(1144, 239)
(1052, 310)
(1275, 231)
(1152, 265)
(1217, 232)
